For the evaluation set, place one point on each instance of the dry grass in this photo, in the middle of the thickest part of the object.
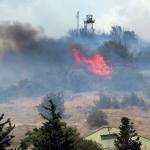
(77, 117)
(25, 115)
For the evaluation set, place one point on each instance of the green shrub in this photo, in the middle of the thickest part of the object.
(96, 117)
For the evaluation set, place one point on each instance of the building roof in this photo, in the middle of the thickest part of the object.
(106, 127)
(106, 137)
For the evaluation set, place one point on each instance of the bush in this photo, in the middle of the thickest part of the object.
(97, 118)
(104, 101)
(107, 101)
(133, 100)
(57, 100)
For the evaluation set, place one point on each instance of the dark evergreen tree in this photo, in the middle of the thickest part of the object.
(53, 135)
(5, 136)
(127, 138)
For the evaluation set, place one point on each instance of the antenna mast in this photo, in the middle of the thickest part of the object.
(78, 22)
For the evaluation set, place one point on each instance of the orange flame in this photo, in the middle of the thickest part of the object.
(96, 64)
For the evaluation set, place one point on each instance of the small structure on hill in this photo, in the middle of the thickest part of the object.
(88, 23)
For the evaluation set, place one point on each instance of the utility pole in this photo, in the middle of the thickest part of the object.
(78, 22)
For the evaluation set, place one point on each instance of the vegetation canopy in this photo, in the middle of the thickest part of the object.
(56, 135)
(116, 52)
(53, 135)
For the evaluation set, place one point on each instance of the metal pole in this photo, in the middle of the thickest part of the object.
(78, 22)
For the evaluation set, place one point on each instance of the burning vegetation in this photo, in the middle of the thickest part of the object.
(96, 64)
(102, 62)
(38, 65)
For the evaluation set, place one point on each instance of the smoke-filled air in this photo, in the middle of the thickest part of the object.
(33, 64)
(74, 75)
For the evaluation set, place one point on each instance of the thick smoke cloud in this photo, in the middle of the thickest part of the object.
(16, 36)
(25, 50)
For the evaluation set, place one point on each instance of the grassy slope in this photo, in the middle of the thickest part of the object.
(25, 115)
(77, 117)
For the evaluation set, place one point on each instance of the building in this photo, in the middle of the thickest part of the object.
(106, 137)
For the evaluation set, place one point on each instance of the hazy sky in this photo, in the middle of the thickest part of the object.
(58, 16)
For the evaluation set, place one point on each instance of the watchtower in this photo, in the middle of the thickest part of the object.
(88, 23)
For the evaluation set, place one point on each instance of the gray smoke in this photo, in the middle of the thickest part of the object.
(34, 64)
(15, 36)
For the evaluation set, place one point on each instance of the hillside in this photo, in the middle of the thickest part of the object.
(24, 115)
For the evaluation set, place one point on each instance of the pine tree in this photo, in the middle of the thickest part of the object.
(5, 136)
(127, 138)
(53, 135)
